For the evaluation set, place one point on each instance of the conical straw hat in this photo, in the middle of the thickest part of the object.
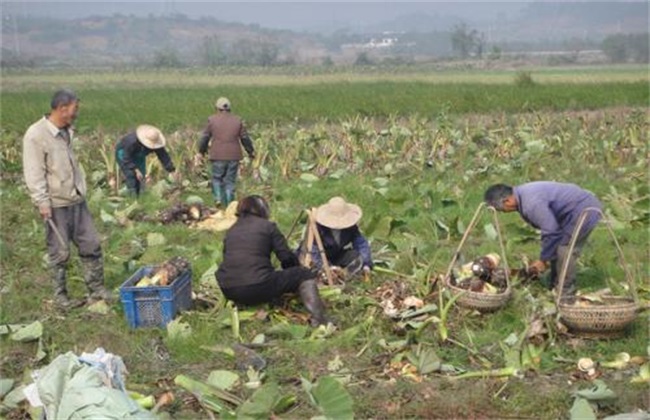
(337, 214)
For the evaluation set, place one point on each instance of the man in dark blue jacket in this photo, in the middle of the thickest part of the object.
(553, 208)
(344, 245)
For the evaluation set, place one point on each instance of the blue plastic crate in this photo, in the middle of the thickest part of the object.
(155, 306)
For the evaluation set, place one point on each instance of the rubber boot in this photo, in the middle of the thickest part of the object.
(94, 278)
(61, 298)
(230, 197)
(218, 195)
(308, 291)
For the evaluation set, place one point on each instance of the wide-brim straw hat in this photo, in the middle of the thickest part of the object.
(150, 136)
(338, 214)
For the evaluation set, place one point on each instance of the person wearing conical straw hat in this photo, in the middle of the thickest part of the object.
(344, 245)
(225, 134)
(131, 155)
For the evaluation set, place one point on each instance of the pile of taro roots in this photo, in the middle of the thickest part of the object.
(185, 213)
(483, 275)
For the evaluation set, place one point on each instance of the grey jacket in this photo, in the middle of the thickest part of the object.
(52, 173)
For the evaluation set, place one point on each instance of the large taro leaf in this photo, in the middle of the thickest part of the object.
(424, 359)
(582, 410)
(261, 404)
(30, 332)
(223, 379)
(599, 392)
(6, 385)
(332, 399)
(490, 231)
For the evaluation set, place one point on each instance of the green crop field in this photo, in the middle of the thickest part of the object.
(416, 151)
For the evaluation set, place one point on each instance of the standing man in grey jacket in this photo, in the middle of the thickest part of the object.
(226, 134)
(554, 208)
(57, 187)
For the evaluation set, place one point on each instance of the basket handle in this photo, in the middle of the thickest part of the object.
(574, 238)
(471, 226)
(501, 245)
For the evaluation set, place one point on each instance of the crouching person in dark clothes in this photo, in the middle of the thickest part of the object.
(553, 208)
(344, 245)
(58, 189)
(131, 155)
(246, 275)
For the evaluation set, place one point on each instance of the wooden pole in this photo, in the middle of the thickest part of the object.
(321, 248)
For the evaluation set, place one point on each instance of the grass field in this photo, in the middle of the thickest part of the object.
(416, 153)
(175, 100)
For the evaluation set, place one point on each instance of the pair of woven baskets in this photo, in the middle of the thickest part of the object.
(615, 314)
(484, 302)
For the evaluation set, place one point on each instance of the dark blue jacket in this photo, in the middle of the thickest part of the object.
(134, 152)
(350, 238)
(554, 208)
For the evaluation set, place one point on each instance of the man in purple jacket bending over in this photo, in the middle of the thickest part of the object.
(554, 208)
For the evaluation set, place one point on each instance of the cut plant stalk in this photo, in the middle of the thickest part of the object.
(492, 373)
(205, 390)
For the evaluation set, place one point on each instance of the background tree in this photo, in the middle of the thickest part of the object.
(211, 52)
(167, 58)
(621, 48)
(464, 40)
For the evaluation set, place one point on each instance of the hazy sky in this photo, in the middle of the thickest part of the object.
(305, 15)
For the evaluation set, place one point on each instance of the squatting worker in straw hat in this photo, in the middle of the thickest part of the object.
(554, 208)
(57, 187)
(343, 243)
(225, 133)
(246, 274)
(131, 155)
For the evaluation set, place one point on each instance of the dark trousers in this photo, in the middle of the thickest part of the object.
(557, 264)
(277, 284)
(224, 178)
(74, 224)
(132, 183)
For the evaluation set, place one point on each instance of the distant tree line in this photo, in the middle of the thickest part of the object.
(623, 48)
(173, 42)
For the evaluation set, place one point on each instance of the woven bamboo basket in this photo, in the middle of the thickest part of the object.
(615, 314)
(484, 302)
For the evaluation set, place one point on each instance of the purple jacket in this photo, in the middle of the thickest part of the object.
(554, 208)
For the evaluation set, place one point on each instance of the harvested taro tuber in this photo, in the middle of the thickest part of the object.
(166, 273)
(483, 275)
(186, 213)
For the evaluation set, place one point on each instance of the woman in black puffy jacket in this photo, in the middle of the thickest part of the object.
(246, 274)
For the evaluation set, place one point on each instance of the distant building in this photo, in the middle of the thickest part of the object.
(381, 43)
